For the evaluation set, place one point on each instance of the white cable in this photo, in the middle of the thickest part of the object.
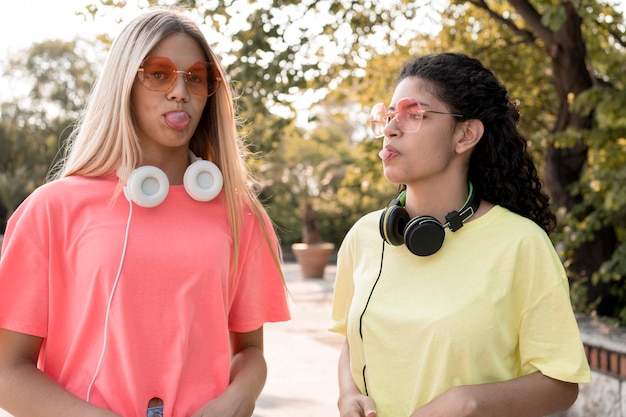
(106, 317)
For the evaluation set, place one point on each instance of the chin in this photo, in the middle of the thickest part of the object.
(391, 175)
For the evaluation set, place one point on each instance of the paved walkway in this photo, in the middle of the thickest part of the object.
(301, 354)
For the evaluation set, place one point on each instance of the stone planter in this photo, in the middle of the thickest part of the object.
(312, 258)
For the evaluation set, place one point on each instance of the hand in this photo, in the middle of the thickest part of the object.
(356, 405)
(222, 406)
(457, 401)
(247, 377)
(351, 403)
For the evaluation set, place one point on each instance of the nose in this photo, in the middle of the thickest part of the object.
(179, 90)
(392, 128)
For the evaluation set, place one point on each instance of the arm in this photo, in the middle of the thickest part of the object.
(26, 391)
(532, 395)
(351, 402)
(248, 372)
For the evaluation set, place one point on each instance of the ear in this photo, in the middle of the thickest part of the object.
(470, 133)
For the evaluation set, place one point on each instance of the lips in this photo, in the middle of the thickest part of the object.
(386, 154)
(177, 120)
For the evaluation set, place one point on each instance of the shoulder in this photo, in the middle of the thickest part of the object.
(504, 229)
(367, 223)
(79, 186)
(62, 194)
(256, 224)
(363, 232)
(252, 212)
(500, 217)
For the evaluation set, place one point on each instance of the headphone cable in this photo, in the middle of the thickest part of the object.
(110, 302)
(380, 271)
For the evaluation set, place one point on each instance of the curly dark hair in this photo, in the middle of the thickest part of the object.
(501, 168)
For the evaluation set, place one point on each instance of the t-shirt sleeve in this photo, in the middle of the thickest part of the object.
(344, 287)
(24, 272)
(549, 336)
(260, 293)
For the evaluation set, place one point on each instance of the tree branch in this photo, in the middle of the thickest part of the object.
(526, 35)
(533, 19)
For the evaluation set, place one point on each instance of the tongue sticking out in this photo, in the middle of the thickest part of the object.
(177, 119)
(385, 154)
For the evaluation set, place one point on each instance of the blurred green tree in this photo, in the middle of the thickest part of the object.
(563, 63)
(54, 78)
(307, 73)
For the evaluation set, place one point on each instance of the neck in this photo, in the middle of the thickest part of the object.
(436, 200)
(173, 163)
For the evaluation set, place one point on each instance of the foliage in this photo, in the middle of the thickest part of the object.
(597, 213)
(305, 92)
(281, 60)
(59, 75)
(56, 77)
(306, 169)
(519, 58)
(603, 202)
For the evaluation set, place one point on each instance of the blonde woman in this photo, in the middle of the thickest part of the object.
(138, 280)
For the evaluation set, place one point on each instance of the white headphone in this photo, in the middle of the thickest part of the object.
(148, 186)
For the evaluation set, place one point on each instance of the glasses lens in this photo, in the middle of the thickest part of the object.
(410, 115)
(197, 78)
(202, 79)
(157, 73)
(378, 119)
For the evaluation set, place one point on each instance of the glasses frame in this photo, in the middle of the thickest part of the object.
(213, 76)
(378, 126)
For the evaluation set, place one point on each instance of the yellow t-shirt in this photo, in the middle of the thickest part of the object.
(491, 305)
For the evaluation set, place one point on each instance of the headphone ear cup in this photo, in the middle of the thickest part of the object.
(392, 223)
(147, 186)
(424, 235)
(203, 180)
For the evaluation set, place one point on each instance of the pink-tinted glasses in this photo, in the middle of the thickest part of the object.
(158, 73)
(408, 113)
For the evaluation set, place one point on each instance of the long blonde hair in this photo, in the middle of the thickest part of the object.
(105, 139)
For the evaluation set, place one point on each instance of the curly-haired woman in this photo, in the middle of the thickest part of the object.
(453, 299)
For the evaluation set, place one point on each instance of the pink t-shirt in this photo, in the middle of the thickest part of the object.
(172, 309)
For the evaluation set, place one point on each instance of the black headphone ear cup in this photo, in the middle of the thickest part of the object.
(147, 186)
(203, 180)
(392, 223)
(424, 235)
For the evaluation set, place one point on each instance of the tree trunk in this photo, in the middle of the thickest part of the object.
(563, 166)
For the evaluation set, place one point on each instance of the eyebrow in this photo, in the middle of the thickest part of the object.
(419, 103)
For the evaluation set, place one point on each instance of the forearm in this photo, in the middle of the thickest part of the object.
(25, 391)
(351, 402)
(248, 372)
(528, 396)
(347, 385)
(533, 395)
(247, 377)
(28, 392)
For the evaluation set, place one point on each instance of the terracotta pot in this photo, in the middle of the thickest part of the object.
(312, 258)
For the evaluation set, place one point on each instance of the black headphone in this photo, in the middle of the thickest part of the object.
(422, 235)
(148, 186)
